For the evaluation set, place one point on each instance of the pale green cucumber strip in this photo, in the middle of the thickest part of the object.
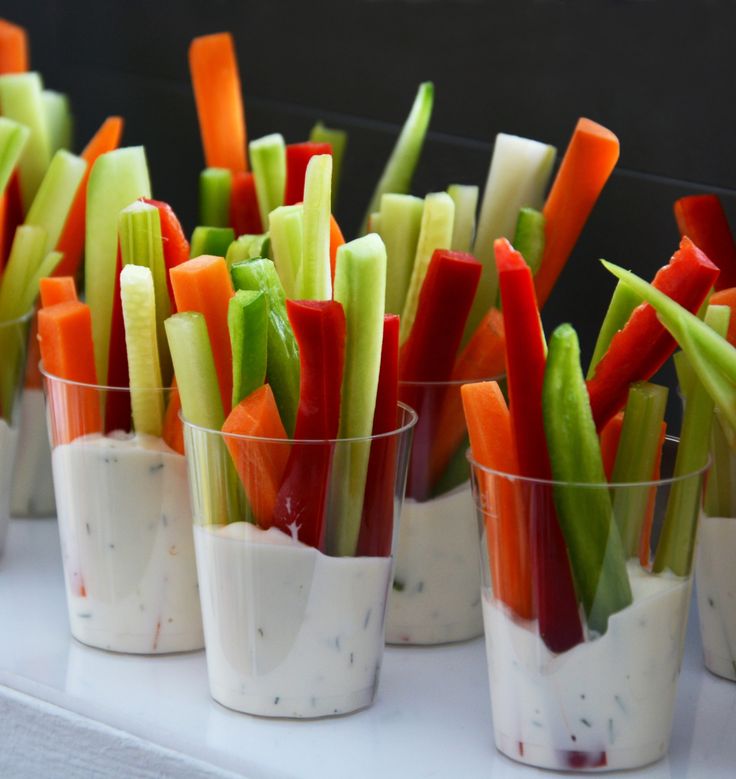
(214, 241)
(247, 319)
(54, 198)
(529, 237)
(338, 139)
(21, 100)
(360, 280)
(635, 459)
(13, 139)
(215, 189)
(518, 176)
(268, 159)
(400, 220)
(59, 120)
(465, 198)
(399, 170)
(116, 180)
(623, 302)
(139, 315)
(246, 247)
(314, 278)
(677, 539)
(26, 255)
(286, 225)
(435, 232)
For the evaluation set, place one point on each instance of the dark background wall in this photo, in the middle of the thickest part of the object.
(661, 74)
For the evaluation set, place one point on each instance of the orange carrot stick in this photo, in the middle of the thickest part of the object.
(609, 437)
(727, 297)
(173, 432)
(646, 533)
(59, 289)
(336, 241)
(203, 284)
(492, 444)
(585, 168)
(260, 465)
(13, 48)
(218, 95)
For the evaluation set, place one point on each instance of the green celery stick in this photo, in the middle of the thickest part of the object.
(338, 140)
(314, 277)
(720, 493)
(21, 100)
(55, 195)
(139, 315)
(677, 539)
(246, 247)
(13, 139)
(635, 459)
(282, 366)
(268, 158)
(400, 221)
(116, 180)
(684, 373)
(623, 302)
(465, 198)
(247, 319)
(529, 237)
(518, 175)
(215, 188)
(139, 229)
(286, 225)
(435, 232)
(360, 280)
(59, 120)
(26, 255)
(594, 545)
(211, 240)
(399, 170)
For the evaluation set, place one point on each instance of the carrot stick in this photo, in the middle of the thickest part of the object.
(610, 436)
(589, 159)
(646, 534)
(727, 297)
(14, 55)
(58, 289)
(217, 93)
(260, 465)
(173, 432)
(493, 446)
(71, 243)
(336, 241)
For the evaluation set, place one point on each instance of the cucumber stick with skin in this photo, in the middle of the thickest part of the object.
(247, 247)
(593, 542)
(13, 139)
(247, 319)
(139, 316)
(338, 140)
(59, 120)
(215, 241)
(286, 228)
(529, 237)
(360, 280)
(465, 198)
(268, 158)
(623, 302)
(215, 189)
(314, 277)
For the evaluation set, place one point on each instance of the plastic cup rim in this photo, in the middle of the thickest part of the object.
(87, 385)
(449, 382)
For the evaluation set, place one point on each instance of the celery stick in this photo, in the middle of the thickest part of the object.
(400, 221)
(211, 240)
(435, 233)
(139, 229)
(399, 170)
(684, 373)
(26, 255)
(529, 237)
(59, 120)
(720, 493)
(360, 280)
(247, 319)
(215, 188)
(465, 198)
(139, 315)
(677, 539)
(116, 180)
(518, 175)
(13, 139)
(268, 158)
(286, 231)
(338, 140)
(20, 98)
(374, 222)
(282, 368)
(54, 198)
(246, 247)
(623, 302)
(635, 459)
(314, 277)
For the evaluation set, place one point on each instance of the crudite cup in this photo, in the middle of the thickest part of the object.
(13, 343)
(125, 524)
(567, 695)
(295, 629)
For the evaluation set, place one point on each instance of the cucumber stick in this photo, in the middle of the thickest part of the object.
(13, 139)
(623, 302)
(139, 316)
(215, 189)
(59, 120)
(268, 158)
(246, 247)
(314, 277)
(465, 198)
(211, 240)
(399, 170)
(593, 542)
(247, 319)
(286, 226)
(400, 220)
(529, 237)
(360, 280)
(116, 180)
(338, 139)
(435, 232)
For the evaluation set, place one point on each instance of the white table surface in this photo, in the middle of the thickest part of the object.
(431, 717)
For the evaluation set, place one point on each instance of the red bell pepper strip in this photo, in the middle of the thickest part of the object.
(702, 219)
(377, 522)
(245, 216)
(610, 437)
(175, 243)
(297, 159)
(554, 593)
(11, 215)
(117, 404)
(319, 329)
(640, 349)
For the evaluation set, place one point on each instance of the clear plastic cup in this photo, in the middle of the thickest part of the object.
(13, 345)
(606, 703)
(292, 629)
(125, 525)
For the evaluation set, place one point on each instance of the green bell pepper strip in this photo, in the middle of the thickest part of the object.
(215, 191)
(211, 240)
(529, 237)
(623, 301)
(268, 158)
(286, 226)
(247, 319)
(465, 198)
(338, 140)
